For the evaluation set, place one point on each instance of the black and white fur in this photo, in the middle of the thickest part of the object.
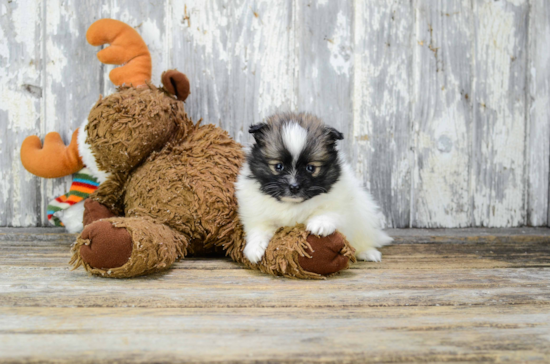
(294, 173)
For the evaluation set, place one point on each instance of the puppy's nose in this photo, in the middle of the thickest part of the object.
(294, 187)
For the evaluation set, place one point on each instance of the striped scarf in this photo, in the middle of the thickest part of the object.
(84, 184)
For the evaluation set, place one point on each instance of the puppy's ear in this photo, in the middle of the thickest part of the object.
(258, 131)
(334, 134)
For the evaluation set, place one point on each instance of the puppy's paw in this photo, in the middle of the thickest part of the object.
(255, 248)
(371, 255)
(321, 226)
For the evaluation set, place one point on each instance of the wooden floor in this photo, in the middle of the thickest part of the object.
(472, 295)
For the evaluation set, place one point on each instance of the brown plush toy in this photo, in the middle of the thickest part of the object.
(166, 184)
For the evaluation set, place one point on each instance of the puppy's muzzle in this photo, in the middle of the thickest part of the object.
(294, 188)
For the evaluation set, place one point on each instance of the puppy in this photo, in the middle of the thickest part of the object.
(294, 173)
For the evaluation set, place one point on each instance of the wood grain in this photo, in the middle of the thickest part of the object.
(243, 288)
(21, 90)
(538, 97)
(446, 252)
(472, 269)
(442, 115)
(344, 335)
(444, 105)
(382, 139)
(499, 113)
(239, 59)
(324, 50)
(467, 295)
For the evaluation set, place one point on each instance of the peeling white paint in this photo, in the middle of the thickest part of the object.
(20, 108)
(155, 41)
(516, 2)
(4, 45)
(208, 23)
(381, 104)
(24, 23)
(53, 16)
(273, 43)
(500, 196)
(16, 192)
(442, 182)
(57, 61)
(340, 46)
(19, 78)
(410, 144)
(538, 113)
(442, 115)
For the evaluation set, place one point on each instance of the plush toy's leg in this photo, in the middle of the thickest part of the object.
(328, 255)
(93, 211)
(123, 247)
(293, 252)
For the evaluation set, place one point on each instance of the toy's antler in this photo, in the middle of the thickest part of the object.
(126, 48)
(54, 160)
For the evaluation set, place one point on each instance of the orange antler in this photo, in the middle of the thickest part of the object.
(126, 48)
(54, 160)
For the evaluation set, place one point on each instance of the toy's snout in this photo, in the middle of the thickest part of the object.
(52, 160)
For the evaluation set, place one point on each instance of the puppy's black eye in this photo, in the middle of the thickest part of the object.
(310, 168)
(279, 167)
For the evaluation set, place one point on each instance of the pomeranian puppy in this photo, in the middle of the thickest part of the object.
(295, 173)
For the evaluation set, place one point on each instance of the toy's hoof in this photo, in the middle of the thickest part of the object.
(325, 257)
(94, 211)
(109, 247)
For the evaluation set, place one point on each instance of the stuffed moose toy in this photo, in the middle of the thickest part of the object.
(165, 185)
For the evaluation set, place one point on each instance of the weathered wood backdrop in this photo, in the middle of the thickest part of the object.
(444, 104)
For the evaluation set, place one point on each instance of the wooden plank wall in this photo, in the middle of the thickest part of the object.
(444, 104)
